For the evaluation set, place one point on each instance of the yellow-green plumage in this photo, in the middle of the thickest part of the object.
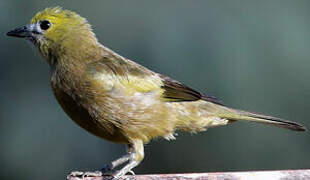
(117, 99)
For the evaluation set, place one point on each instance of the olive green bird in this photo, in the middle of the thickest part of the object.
(117, 99)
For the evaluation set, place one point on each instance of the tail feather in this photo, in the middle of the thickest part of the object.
(248, 116)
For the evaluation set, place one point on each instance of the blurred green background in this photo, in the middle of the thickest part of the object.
(253, 55)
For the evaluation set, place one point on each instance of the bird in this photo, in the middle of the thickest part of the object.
(117, 99)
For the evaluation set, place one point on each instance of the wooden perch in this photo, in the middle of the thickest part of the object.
(250, 175)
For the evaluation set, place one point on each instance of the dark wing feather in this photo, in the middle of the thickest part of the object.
(176, 92)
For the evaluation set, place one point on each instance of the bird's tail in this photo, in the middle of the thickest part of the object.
(253, 117)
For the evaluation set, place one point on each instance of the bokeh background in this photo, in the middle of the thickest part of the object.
(253, 55)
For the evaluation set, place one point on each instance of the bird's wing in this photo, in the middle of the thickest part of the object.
(134, 78)
(122, 75)
(176, 91)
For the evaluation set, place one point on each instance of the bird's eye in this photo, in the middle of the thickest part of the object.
(45, 24)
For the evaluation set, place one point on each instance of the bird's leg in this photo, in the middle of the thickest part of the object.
(108, 167)
(136, 155)
(117, 162)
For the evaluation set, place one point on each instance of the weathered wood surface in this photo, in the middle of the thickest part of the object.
(250, 175)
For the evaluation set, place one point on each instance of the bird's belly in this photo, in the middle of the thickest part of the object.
(81, 116)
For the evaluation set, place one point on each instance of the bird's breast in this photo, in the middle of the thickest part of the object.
(70, 101)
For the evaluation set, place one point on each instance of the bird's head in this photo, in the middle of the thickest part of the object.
(55, 30)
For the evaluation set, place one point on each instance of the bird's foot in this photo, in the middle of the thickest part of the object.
(107, 171)
(131, 172)
(81, 174)
(120, 173)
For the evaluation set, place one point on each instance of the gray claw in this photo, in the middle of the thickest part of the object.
(81, 174)
(92, 174)
(75, 174)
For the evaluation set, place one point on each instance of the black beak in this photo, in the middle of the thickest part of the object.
(20, 32)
